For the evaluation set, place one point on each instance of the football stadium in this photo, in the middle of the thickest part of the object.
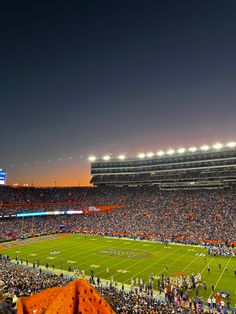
(155, 233)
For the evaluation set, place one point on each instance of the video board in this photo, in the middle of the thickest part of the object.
(3, 176)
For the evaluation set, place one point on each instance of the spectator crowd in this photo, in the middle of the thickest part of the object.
(135, 300)
(185, 216)
(196, 217)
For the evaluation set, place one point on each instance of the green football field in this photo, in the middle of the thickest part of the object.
(124, 259)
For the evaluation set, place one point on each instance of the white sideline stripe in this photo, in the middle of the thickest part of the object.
(158, 242)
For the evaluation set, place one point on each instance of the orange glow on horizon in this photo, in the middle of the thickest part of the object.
(52, 176)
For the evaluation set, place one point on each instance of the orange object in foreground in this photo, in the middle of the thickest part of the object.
(77, 297)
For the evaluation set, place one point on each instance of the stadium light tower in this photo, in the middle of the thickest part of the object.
(141, 155)
(192, 149)
(204, 147)
(160, 153)
(92, 158)
(150, 154)
(106, 157)
(231, 144)
(217, 146)
(181, 150)
(121, 157)
(170, 151)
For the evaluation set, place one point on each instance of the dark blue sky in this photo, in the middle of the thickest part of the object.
(102, 77)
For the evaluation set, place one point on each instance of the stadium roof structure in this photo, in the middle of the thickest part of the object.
(206, 167)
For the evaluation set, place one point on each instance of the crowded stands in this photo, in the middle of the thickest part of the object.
(187, 216)
(135, 300)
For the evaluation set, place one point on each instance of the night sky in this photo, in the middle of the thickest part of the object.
(98, 77)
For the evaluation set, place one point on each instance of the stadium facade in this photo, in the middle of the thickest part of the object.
(185, 169)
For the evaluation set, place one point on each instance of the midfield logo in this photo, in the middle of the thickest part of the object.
(125, 253)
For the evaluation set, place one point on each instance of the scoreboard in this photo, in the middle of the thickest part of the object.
(2, 177)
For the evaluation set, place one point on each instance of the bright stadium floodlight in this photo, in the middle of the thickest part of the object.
(160, 153)
(170, 151)
(141, 155)
(192, 149)
(217, 146)
(92, 158)
(205, 147)
(106, 157)
(121, 157)
(150, 154)
(181, 150)
(231, 144)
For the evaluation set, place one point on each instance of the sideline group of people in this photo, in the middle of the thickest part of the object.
(136, 300)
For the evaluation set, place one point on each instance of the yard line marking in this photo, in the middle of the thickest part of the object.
(119, 244)
(165, 268)
(63, 263)
(81, 253)
(190, 263)
(67, 248)
(220, 276)
(168, 265)
(173, 262)
(121, 262)
(207, 265)
(149, 265)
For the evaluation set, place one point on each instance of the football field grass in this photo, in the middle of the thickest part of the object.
(124, 259)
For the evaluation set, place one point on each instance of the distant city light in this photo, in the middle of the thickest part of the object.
(150, 154)
(231, 144)
(141, 155)
(217, 146)
(181, 150)
(121, 157)
(192, 149)
(106, 157)
(92, 158)
(170, 151)
(205, 147)
(160, 153)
